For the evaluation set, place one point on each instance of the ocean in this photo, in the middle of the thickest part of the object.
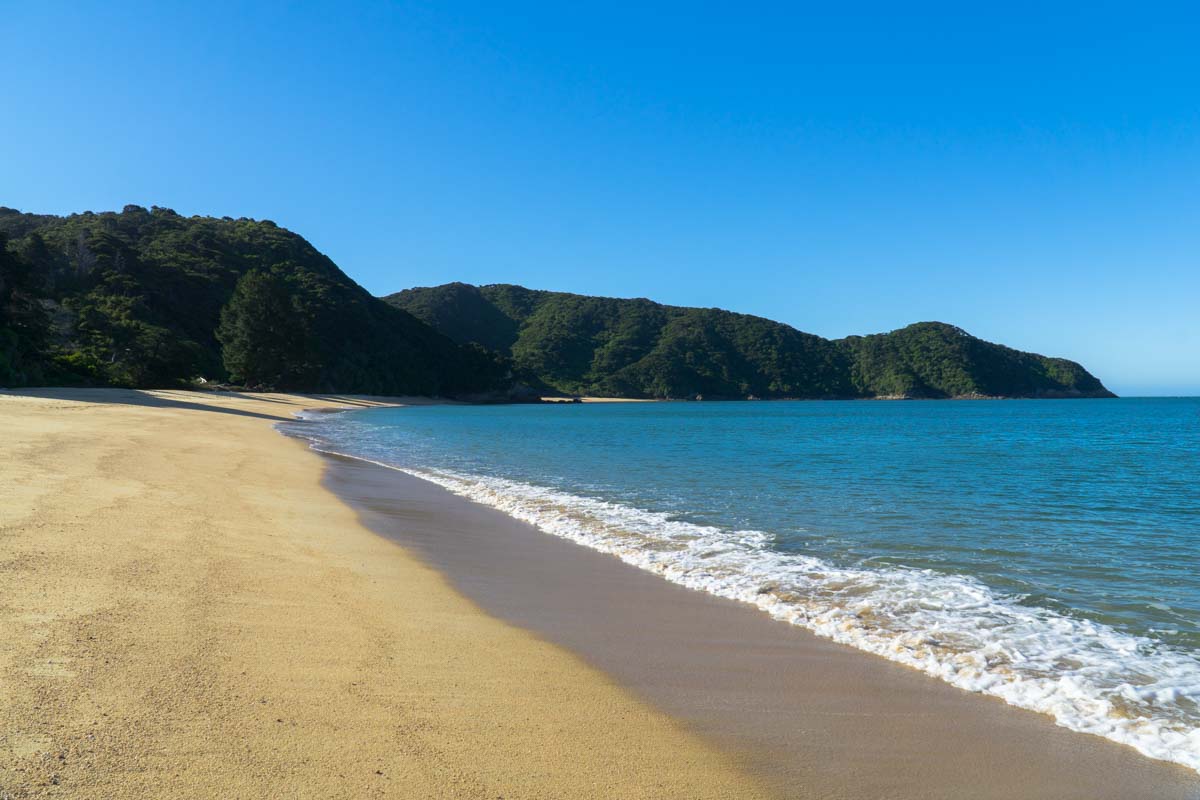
(1044, 552)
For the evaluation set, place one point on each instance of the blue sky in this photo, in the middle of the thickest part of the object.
(1031, 175)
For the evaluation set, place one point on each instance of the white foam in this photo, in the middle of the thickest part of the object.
(1089, 677)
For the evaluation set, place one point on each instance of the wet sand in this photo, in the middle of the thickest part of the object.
(814, 719)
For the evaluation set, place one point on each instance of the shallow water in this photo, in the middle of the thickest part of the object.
(1041, 551)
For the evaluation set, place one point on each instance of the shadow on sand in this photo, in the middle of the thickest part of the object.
(346, 400)
(164, 399)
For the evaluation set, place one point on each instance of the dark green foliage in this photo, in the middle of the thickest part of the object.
(933, 359)
(147, 298)
(262, 335)
(460, 312)
(24, 323)
(135, 299)
(636, 348)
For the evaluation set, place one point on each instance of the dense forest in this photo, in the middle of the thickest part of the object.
(149, 298)
(601, 346)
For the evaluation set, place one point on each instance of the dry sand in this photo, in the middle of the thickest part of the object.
(185, 612)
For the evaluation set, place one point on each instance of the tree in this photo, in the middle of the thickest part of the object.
(24, 325)
(262, 335)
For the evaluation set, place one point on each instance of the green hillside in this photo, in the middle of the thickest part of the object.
(933, 359)
(601, 346)
(136, 299)
(148, 298)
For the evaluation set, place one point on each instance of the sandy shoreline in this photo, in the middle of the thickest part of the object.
(188, 613)
(812, 717)
(191, 611)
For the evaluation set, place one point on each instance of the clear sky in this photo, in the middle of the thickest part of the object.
(1031, 175)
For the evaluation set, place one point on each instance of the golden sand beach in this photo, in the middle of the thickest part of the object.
(193, 605)
(187, 613)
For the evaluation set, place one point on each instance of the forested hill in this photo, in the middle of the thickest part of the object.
(637, 348)
(149, 298)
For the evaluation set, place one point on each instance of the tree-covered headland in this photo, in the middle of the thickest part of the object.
(148, 298)
(637, 348)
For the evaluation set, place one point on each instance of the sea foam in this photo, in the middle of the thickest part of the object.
(1087, 676)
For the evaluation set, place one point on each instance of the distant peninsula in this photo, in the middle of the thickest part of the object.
(581, 345)
(148, 298)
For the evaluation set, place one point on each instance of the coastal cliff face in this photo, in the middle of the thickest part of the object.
(600, 346)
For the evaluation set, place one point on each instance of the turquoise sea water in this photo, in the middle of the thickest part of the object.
(1042, 551)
